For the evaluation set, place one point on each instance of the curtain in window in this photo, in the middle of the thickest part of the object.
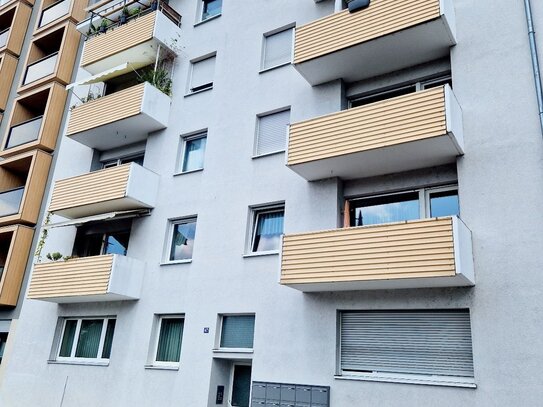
(183, 241)
(108, 341)
(238, 331)
(194, 154)
(269, 229)
(89, 338)
(169, 342)
(68, 338)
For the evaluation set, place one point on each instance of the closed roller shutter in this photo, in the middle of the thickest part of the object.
(272, 132)
(413, 342)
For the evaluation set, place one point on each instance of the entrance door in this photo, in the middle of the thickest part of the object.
(241, 386)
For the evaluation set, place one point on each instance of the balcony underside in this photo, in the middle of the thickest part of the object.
(423, 153)
(412, 46)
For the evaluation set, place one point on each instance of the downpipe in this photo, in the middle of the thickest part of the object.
(535, 60)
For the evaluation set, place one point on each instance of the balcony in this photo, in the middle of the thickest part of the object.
(14, 18)
(121, 118)
(415, 254)
(8, 65)
(417, 130)
(136, 41)
(122, 188)
(22, 185)
(15, 243)
(35, 120)
(53, 12)
(385, 37)
(87, 279)
(51, 57)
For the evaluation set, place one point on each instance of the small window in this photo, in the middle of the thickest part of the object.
(384, 95)
(237, 331)
(182, 239)
(136, 158)
(202, 74)
(434, 83)
(435, 343)
(193, 152)
(272, 132)
(444, 203)
(170, 336)
(267, 229)
(211, 8)
(385, 209)
(86, 339)
(277, 49)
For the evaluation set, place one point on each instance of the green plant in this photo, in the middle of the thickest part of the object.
(159, 78)
(125, 11)
(134, 11)
(43, 237)
(56, 256)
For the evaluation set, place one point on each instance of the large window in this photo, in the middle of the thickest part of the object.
(399, 207)
(169, 339)
(277, 49)
(98, 238)
(202, 73)
(193, 153)
(418, 345)
(237, 331)
(211, 8)
(181, 244)
(86, 339)
(267, 228)
(271, 132)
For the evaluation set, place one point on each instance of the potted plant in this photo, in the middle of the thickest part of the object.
(124, 16)
(135, 11)
(103, 26)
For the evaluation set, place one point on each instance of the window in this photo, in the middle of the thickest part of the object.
(211, 8)
(136, 158)
(86, 339)
(399, 207)
(237, 331)
(384, 344)
(170, 336)
(277, 49)
(267, 228)
(202, 74)
(99, 238)
(182, 239)
(193, 152)
(3, 340)
(272, 132)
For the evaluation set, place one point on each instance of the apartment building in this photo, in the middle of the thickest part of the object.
(38, 50)
(291, 203)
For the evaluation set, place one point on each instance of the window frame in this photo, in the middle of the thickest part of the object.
(429, 191)
(257, 131)
(72, 358)
(205, 87)
(200, 13)
(254, 212)
(169, 239)
(218, 337)
(265, 37)
(160, 318)
(184, 140)
(115, 162)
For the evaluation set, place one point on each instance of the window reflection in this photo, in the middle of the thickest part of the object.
(183, 240)
(444, 204)
(385, 209)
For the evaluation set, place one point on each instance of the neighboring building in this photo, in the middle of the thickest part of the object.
(395, 260)
(38, 51)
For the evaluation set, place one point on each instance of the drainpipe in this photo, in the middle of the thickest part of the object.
(535, 60)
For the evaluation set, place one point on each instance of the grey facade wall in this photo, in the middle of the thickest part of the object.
(501, 191)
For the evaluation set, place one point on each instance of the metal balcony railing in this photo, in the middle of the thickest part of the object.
(54, 12)
(41, 68)
(25, 132)
(10, 201)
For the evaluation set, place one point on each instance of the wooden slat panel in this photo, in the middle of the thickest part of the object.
(83, 276)
(397, 120)
(118, 39)
(344, 29)
(422, 248)
(108, 109)
(98, 186)
(8, 65)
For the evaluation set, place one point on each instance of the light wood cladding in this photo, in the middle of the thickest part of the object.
(118, 39)
(74, 277)
(31, 170)
(76, 14)
(414, 249)
(107, 109)
(56, 96)
(8, 66)
(66, 57)
(344, 29)
(15, 259)
(99, 186)
(18, 28)
(403, 119)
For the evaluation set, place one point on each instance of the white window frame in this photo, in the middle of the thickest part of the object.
(264, 46)
(184, 140)
(191, 72)
(72, 358)
(115, 162)
(218, 337)
(160, 317)
(254, 212)
(200, 13)
(429, 191)
(257, 132)
(169, 238)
